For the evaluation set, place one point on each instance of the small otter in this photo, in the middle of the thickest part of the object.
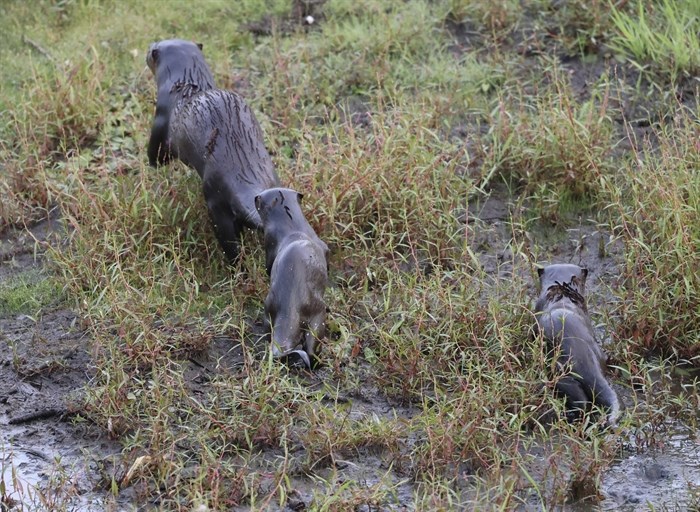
(212, 131)
(562, 318)
(297, 262)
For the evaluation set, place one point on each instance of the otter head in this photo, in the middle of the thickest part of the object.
(278, 203)
(171, 46)
(562, 273)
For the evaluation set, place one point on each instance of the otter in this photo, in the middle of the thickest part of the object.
(562, 319)
(298, 268)
(212, 131)
(180, 71)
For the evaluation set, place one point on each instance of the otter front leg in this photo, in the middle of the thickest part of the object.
(158, 147)
(316, 331)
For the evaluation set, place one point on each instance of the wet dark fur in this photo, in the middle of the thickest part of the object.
(212, 131)
(562, 318)
(297, 261)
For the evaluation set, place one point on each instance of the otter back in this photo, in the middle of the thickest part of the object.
(216, 133)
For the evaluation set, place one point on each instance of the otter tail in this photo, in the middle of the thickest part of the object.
(603, 394)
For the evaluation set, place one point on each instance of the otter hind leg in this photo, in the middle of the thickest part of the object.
(577, 400)
(604, 395)
(227, 227)
(229, 239)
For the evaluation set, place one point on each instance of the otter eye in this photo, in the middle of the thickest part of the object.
(257, 202)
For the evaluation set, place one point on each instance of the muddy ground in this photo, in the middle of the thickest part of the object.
(50, 453)
(47, 452)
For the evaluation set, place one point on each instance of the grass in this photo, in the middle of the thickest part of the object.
(28, 293)
(663, 37)
(660, 226)
(395, 121)
(555, 147)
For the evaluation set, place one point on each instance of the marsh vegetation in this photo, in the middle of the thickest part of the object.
(444, 149)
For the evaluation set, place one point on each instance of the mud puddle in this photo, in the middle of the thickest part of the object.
(667, 477)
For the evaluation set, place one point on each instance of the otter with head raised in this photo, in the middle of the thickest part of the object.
(297, 261)
(562, 319)
(212, 131)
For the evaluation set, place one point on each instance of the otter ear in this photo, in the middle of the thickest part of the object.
(200, 46)
(584, 274)
(300, 196)
(257, 203)
(154, 55)
(540, 271)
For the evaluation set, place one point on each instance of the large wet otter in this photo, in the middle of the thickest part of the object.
(562, 318)
(297, 261)
(213, 131)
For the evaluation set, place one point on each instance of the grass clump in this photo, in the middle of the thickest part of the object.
(660, 228)
(553, 146)
(498, 17)
(361, 48)
(355, 170)
(28, 293)
(24, 193)
(661, 35)
(582, 26)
